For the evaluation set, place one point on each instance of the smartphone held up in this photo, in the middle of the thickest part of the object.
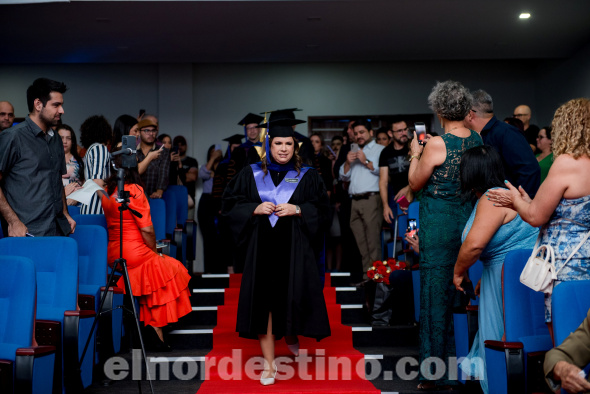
(420, 128)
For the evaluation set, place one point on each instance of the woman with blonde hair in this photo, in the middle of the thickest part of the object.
(562, 204)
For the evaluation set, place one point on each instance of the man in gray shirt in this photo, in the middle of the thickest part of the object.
(32, 198)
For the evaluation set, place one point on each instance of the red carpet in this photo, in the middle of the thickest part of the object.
(329, 366)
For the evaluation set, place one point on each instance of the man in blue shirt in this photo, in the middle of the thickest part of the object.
(520, 165)
(362, 170)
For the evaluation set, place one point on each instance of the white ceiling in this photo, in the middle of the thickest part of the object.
(291, 31)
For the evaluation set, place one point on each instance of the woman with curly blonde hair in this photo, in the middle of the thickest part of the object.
(562, 204)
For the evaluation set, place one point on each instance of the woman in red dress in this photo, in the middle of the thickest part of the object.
(160, 282)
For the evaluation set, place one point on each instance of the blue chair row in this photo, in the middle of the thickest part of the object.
(23, 368)
(58, 323)
(513, 365)
(92, 278)
(180, 229)
(569, 308)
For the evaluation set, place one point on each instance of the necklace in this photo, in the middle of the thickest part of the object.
(454, 128)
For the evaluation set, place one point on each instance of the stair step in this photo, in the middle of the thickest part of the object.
(393, 336)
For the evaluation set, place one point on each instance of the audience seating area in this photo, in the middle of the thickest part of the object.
(53, 287)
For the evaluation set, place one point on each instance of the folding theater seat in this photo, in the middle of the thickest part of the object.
(186, 237)
(172, 233)
(92, 279)
(569, 306)
(158, 213)
(58, 323)
(23, 368)
(96, 220)
(465, 321)
(516, 365)
(73, 210)
(183, 221)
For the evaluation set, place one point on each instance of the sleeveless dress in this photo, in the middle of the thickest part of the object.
(567, 226)
(514, 235)
(442, 218)
(160, 282)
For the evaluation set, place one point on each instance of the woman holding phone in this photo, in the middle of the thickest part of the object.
(434, 169)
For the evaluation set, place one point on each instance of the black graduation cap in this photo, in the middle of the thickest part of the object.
(281, 114)
(234, 139)
(250, 118)
(281, 128)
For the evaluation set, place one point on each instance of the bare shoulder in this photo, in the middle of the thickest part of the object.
(568, 163)
(487, 210)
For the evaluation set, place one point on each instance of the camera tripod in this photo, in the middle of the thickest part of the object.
(123, 199)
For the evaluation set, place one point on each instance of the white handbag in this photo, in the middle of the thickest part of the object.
(539, 272)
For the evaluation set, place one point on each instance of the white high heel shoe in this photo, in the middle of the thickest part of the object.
(271, 380)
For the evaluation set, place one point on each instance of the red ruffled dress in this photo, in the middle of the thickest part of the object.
(160, 281)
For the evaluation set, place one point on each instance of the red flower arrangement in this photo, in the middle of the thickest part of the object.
(381, 270)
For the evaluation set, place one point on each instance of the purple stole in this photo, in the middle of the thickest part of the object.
(280, 194)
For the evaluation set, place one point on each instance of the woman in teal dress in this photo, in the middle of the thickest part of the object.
(434, 169)
(490, 233)
(545, 157)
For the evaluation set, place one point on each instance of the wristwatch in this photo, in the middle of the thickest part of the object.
(297, 210)
(367, 162)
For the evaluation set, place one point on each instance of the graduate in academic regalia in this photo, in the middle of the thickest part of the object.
(246, 153)
(305, 147)
(277, 212)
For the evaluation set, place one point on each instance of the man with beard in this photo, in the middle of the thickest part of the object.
(153, 162)
(393, 170)
(362, 171)
(32, 198)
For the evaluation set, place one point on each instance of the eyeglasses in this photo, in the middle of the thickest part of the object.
(150, 131)
(400, 130)
(251, 127)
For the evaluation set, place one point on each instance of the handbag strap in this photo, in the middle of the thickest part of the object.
(574, 251)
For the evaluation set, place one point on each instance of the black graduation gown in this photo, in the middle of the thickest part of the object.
(280, 270)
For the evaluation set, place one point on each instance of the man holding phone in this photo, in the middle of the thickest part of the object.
(362, 171)
(393, 171)
(153, 161)
(190, 167)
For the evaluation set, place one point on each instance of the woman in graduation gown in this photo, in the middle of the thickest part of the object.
(277, 211)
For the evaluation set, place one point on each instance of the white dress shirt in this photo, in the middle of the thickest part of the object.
(362, 180)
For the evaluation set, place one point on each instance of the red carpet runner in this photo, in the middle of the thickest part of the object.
(329, 366)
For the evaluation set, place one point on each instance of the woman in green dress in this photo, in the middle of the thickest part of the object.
(434, 169)
(544, 145)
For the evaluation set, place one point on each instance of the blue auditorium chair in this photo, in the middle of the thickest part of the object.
(57, 321)
(158, 214)
(73, 210)
(465, 322)
(92, 279)
(511, 363)
(569, 307)
(97, 220)
(570, 302)
(187, 236)
(172, 233)
(23, 368)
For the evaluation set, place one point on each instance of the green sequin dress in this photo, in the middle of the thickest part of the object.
(442, 219)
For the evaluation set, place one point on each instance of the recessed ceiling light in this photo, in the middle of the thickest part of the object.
(524, 15)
